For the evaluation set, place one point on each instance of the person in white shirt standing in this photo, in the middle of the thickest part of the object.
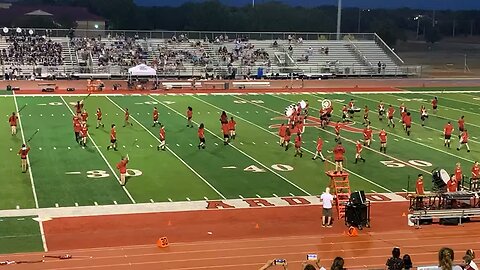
(327, 202)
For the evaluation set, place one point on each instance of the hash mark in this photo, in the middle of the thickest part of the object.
(170, 200)
(96, 204)
(216, 144)
(76, 204)
(41, 114)
(275, 195)
(253, 142)
(151, 146)
(240, 196)
(266, 142)
(18, 206)
(40, 148)
(188, 199)
(404, 190)
(241, 143)
(258, 196)
(206, 199)
(291, 194)
(69, 148)
(373, 191)
(115, 202)
(191, 144)
(151, 201)
(178, 144)
(56, 204)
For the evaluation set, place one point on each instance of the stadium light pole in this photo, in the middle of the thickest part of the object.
(339, 18)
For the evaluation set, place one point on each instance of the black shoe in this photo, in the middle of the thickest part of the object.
(115, 149)
(163, 149)
(468, 151)
(158, 148)
(124, 126)
(313, 158)
(96, 127)
(203, 147)
(323, 160)
(363, 160)
(198, 146)
(131, 124)
(458, 149)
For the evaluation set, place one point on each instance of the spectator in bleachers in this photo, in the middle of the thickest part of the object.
(32, 50)
(471, 253)
(445, 259)
(395, 262)
(338, 264)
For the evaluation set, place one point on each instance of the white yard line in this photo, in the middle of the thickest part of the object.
(32, 182)
(234, 147)
(103, 157)
(169, 150)
(422, 144)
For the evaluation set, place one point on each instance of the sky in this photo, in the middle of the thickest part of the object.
(421, 4)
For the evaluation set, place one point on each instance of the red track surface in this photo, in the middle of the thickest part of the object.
(236, 242)
(105, 242)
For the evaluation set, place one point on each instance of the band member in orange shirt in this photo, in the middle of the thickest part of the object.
(435, 104)
(23, 152)
(358, 154)
(162, 138)
(338, 153)
(127, 117)
(84, 116)
(464, 141)
(475, 171)
(99, 118)
(232, 126)
(281, 134)
(201, 136)
(461, 125)
(77, 127)
(155, 117)
(84, 134)
(390, 113)
(367, 136)
(226, 133)
(298, 145)
(79, 107)
(189, 117)
(407, 121)
(447, 132)
(419, 188)
(383, 140)
(458, 172)
(318, 151)
(452, 184)
(423, 115)
(365, 116)
(13, 123)
(113, 138)
(337, 128)
(122, 167)
(286, 138)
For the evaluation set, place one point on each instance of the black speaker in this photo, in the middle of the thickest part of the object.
(70, 89)
(437, 180)
(357, 215)
(358, 197)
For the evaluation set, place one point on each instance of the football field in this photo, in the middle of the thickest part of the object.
(63, 173)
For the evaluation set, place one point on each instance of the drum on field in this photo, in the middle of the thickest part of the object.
(326, 103)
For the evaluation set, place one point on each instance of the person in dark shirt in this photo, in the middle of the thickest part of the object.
(395, 262)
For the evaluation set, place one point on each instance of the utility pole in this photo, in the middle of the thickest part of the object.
(253, 3)
(339, 18)
(453, 30)
(433, 18)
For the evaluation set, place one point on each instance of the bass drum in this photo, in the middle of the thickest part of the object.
(444, 176)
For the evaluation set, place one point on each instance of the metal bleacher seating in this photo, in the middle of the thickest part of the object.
(349, 56)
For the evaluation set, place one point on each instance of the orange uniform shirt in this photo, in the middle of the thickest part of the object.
(298, 141)
(282, 130)
(359, 148)
(122, 166)
(464, 137)
(155, 115)
(84, 131)
(382, 136)
(419, 188)
(461, 124)
(458, 173)
(338, 152)
(113, 134)
(390, 112)
(201, 133)
(127, 115)
(189, 114)
(319, 144)
(162, 134)
(84, 116)
(225, 129)
(448, 129)
(24, 152)
(232, 124)
(475, 171)
(99, 115)
(451, 185)
(13, 120)
(407, 120)
(367, 133)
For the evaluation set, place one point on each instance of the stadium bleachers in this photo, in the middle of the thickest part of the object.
(217, 58)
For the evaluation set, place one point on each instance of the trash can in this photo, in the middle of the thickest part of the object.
(226, 86)
(259, 73)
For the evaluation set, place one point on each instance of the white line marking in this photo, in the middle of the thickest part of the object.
(54, 148)
(76, 204)
(258, 196)
(151, 146)
(206, 199)
(216, 144)
(95, 203)
(56, 205)
(18, 207)
(275, 195)
(241, 143)
(168, 148)
(373, 191)
(115, 202)
(240, 196)
(253, 142)
(188, 199)
(152, 201)
(404, 190)
(103, 157)
(190, 144)
(266, 142)
(32, 182)
(69, 148)
(291, 194)
(72, 173)
(170, 200)
(178, 144)
(395, 139)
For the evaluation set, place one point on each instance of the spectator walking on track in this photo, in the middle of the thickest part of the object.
(327, 202)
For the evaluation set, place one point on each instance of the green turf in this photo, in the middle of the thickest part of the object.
(254, 165)
(16, 187)
(19, 234)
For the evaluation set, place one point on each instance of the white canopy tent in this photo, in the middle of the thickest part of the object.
(142, 70)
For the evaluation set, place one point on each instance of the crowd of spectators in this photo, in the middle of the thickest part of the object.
(32, 50)
(121, 51)
(245, 52)
(395, 262)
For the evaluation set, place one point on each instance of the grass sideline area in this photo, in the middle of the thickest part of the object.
(19, 234)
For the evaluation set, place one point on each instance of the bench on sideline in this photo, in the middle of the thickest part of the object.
(246, 84)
